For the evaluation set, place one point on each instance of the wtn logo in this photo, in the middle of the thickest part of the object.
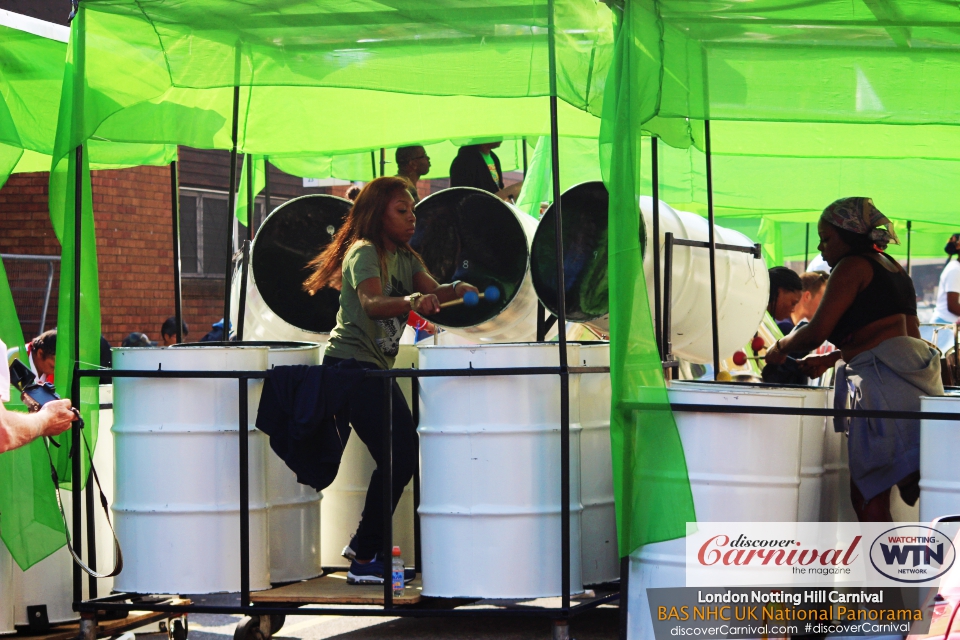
(912, 554)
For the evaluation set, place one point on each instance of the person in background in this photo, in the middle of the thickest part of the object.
(412, 163)
(106, 359)
(814, 283)
(478, 166)
(136, 339)
(42, 352)
(168, 331)
(352, 193)
(19, 429)
(216, 332)
(786, 289)
(818, 264)
(869, 311)
(948, 290)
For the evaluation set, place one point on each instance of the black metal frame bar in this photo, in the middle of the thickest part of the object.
(909, 233)
(714, 324)
(669, 243)
(657, 301)
(231, 207)
(75, 434)
(177, 277)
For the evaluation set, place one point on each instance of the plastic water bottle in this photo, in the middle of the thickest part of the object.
(398, 572)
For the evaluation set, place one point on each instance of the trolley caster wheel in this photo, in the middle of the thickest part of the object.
(248, 629)
(276, 622)
(178, 629)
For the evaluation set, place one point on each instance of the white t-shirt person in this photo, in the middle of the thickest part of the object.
(949, 283)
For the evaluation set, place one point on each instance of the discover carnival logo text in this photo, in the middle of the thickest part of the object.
(784, 553)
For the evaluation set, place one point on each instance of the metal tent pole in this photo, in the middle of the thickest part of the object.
(713, 253)
(244, 445)
(266, 186)
(561, 320)
(806, 248)
(75, 434)
(373, 164)
(909, 231)
(231, 206)
(655, 180)
(383, 162)
(250, 203)
(386, 469)
(177, 282)
(523, 143)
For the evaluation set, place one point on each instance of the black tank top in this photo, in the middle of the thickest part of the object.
(889, 293)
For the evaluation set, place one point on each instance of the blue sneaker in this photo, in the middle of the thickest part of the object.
(372, 572)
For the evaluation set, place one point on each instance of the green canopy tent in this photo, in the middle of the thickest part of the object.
(308, 78)
(32, 59)
(864, 63)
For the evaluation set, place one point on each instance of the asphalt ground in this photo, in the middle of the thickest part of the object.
(602, 623)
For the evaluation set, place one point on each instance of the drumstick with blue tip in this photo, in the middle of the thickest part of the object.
(471, 299)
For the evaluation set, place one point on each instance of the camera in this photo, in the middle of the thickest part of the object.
(32, 394)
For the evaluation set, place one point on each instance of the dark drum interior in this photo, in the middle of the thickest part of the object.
(471, 235)
(584, 217)
(290, 238)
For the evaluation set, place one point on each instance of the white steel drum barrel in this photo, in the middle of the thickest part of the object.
(939, 472)
(343, 499)
(471, 235)
(742, 285)
(177, 507)
(742, 281)
(490, 509)
(833, 464)
(293, 508)
(600, 557)
(292, 235)
(742, 468)
(835, 503)
(7, 608)
(812, 449)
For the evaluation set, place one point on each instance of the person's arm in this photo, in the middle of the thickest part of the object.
(846, 281)
(953, 302)
(511, 191)
(380, 307)
(913, 327)
(18, 429)
(425, 284)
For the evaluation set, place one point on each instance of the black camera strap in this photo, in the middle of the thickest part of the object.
(118, 554)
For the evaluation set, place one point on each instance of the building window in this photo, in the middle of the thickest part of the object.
(203, 227)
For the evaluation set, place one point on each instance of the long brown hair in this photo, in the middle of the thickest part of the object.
(364, 222)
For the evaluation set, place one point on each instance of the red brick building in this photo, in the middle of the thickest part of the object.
(133, 215)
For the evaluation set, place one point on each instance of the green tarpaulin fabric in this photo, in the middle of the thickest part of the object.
(651, 487)
(32, 65)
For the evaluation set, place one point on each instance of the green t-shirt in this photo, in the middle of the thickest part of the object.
(356, 335)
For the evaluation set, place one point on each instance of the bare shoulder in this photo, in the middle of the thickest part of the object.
(851, 267)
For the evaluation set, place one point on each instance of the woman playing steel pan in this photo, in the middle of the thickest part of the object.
(381, 280)
(869, 311)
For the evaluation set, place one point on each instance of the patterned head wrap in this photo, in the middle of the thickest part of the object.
(858, 215)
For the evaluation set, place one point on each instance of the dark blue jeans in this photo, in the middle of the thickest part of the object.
(364, 410)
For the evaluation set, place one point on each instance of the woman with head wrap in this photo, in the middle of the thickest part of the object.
(869, 312)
